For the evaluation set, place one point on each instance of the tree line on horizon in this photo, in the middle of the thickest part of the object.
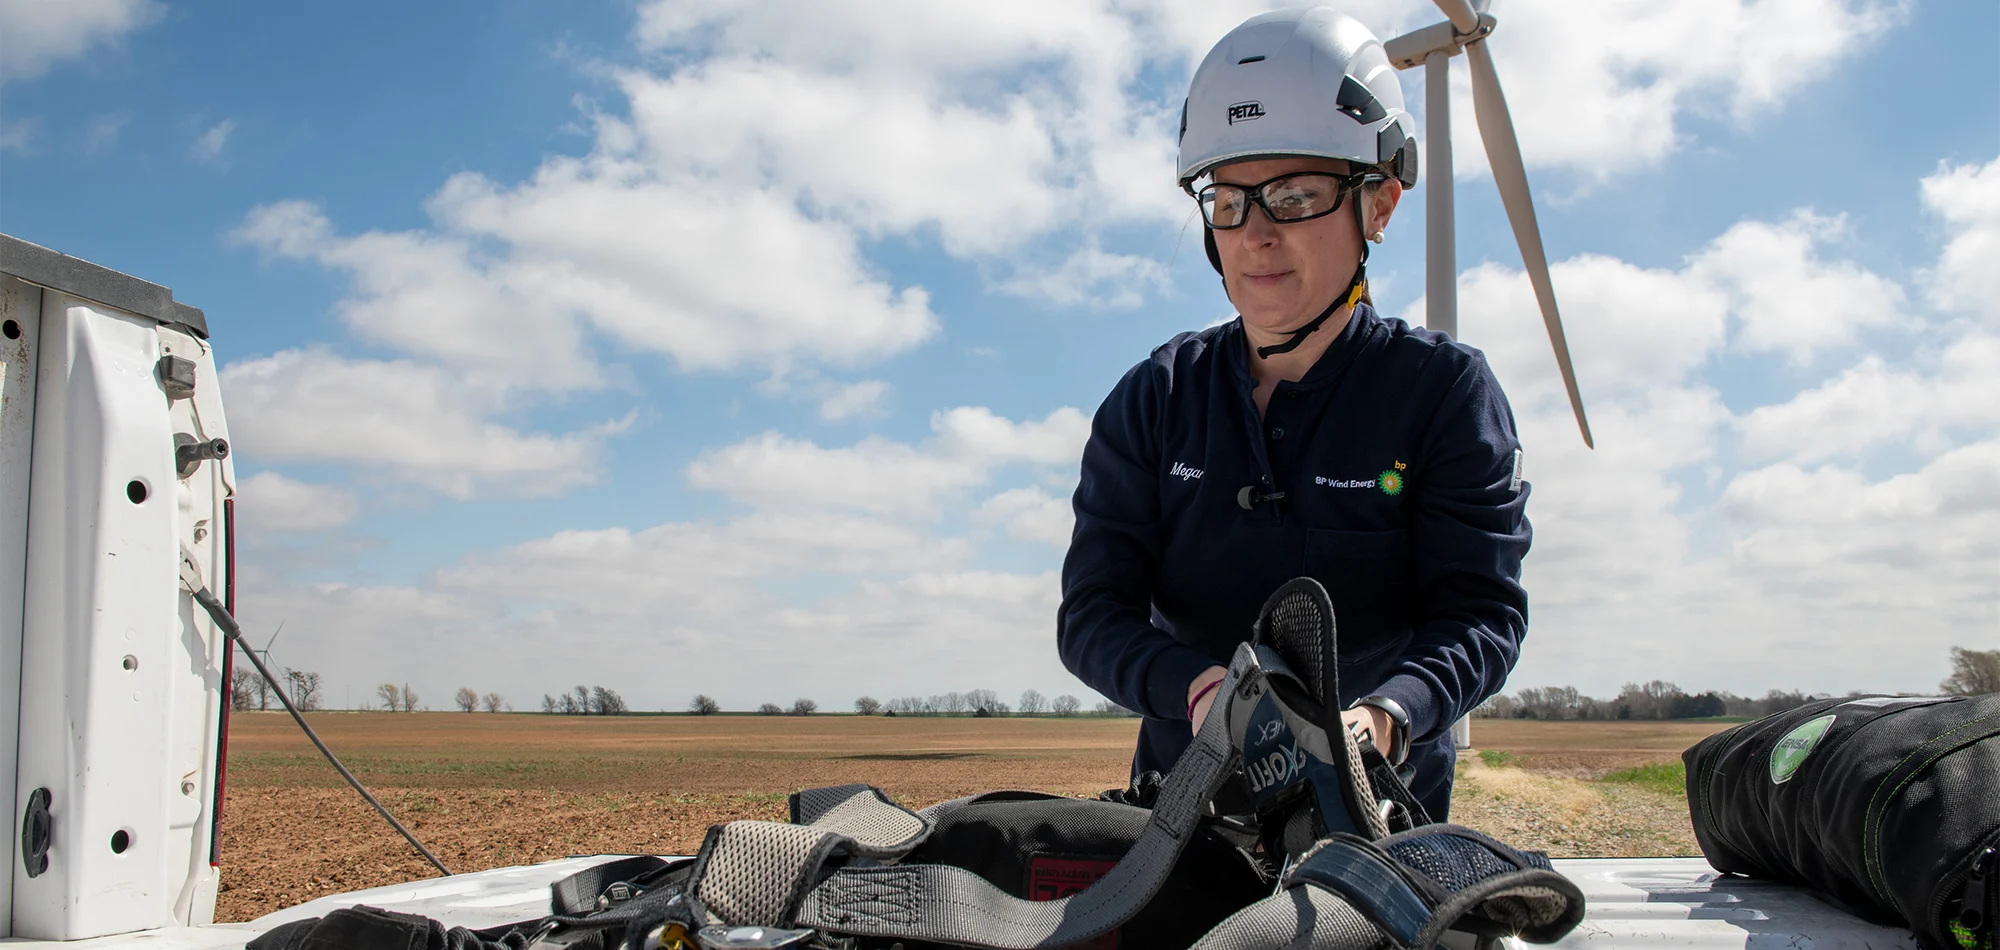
(249, 691)
(586, 701)
(978, 703)
(1973, 673)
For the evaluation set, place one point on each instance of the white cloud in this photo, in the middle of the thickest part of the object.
(208, 146)
(863, 398)
(875, 475)
(919, 632)
(1787, 300)
(35, 36)
(827, 589)
(1093, 276)
(399, 419)
(882, 477)
(1929, 405)
(694, 569)
(1757, 288)
(1967, 278)
(1915, 555)
(992, 123)
(1607, 522)
(270, 502)
(715, 276)
(429, 296)
(976, 432)
(1030, 514)
(976, 174)
(1872, 514)
(18, 135)
(1602, 88)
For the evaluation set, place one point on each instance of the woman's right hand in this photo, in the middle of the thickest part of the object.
(1198, 708)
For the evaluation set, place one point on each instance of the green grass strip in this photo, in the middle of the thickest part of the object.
(1667, 777)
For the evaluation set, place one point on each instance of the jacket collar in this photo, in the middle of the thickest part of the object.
(1361, 326)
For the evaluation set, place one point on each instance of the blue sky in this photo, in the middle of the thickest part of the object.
(748, 348)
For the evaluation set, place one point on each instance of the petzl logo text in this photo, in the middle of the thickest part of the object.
(1245, 111)
(1183, 472)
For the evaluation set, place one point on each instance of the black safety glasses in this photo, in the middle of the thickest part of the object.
(1300, 196)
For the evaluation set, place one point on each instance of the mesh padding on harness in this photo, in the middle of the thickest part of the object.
(750, 872)
(1486, 886)
(1453, 862)
(1300, 918)
(751, 869)
(1296, 624)
(873, 830)
(1354, 894)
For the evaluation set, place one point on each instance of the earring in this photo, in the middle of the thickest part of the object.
(1376, 237)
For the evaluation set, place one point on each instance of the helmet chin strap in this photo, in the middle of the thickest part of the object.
(1299, 335)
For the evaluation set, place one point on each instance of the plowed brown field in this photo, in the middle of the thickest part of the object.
(484, 790)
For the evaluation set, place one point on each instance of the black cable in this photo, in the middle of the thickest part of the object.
(222, 619)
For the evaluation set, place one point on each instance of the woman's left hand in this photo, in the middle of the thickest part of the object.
(1374, 722)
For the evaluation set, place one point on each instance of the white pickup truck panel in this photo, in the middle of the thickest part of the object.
(1633, 902)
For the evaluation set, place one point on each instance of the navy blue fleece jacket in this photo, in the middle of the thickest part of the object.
(1400, 470)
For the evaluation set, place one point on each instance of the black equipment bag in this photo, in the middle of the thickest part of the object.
(1890, 805)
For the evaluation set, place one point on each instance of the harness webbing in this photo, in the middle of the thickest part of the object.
(768, 873)
(952, 905)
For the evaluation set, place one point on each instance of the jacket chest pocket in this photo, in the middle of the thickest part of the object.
(1370, 577)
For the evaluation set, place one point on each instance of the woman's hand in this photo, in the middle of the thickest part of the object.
(1361, 719)
(1201, 695)
(1374, 722)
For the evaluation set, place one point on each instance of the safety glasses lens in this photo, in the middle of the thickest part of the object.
(1291, 198)
(1223, 206)
(1301, 196)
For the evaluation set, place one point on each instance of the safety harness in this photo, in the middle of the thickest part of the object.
(1271, 760)
(834, 869)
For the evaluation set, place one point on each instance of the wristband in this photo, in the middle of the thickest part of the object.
(1196, 701)
(1399, 726)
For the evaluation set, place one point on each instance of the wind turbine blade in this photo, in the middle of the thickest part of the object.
(274, 637)
(1460, 13)
(1503, 153)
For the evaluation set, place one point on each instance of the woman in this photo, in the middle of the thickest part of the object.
(1309, 437)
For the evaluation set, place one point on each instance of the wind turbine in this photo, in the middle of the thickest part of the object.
(262, 695)
(1466, 29)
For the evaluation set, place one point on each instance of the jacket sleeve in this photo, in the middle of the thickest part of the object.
(1104, 628)
(1470, 532)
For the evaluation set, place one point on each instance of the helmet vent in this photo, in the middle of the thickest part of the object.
(1357, 101)
(1250, 59)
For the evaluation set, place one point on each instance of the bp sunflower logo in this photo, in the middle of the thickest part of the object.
(1391, 482)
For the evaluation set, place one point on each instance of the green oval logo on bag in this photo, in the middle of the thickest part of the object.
(1791, 751)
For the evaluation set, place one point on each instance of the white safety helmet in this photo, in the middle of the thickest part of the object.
(1307, 82)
